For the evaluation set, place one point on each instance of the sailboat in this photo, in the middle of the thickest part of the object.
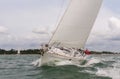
(72, 32)
(18, 52)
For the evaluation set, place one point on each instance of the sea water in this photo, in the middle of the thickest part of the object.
(20, 67)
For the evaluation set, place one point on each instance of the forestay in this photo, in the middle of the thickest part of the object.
(76, 24)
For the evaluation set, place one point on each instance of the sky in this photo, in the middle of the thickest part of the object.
(25, 24)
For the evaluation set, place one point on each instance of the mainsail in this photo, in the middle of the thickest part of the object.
(76, 24)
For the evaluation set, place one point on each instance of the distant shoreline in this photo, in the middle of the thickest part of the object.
(38, 51)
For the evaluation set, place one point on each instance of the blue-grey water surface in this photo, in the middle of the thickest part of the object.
(20, 67)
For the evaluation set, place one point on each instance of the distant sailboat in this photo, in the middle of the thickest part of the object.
(72, 32)
(18, 51)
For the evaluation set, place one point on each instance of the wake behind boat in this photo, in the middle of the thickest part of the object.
(72, 33)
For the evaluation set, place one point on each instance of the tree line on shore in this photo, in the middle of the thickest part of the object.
(27, 51)
(38, 51)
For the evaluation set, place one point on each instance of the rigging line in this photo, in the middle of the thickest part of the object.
(58, 18)
(59, 21)
(60, 12)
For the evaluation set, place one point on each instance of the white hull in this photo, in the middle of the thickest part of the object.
(54, 59)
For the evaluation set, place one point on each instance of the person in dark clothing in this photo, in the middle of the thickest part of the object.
(44, 48)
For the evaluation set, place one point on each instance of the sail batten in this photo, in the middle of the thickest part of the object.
(76, 24)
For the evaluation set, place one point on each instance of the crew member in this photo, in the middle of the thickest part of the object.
(44, 49)
(87, 52)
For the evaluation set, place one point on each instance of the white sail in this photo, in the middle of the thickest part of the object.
(75, 26)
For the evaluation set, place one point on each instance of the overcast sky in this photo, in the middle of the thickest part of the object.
(28, 23)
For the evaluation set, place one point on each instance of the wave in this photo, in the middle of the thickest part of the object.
(94, 68)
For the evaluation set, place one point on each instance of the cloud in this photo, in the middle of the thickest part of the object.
(3, 30)
(26, 41)
(41, 30)
(114, 24)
